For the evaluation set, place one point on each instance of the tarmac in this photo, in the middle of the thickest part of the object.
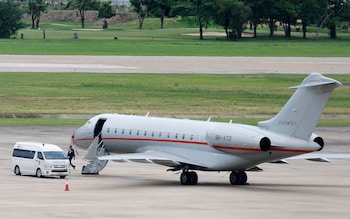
(300, 189)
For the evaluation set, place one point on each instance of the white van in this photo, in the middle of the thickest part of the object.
(39, 159)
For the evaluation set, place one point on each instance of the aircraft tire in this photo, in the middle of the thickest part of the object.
(238, 178)
(244, 178)
(193, 178)
(17, 171)
(184, 178)
(189, 178)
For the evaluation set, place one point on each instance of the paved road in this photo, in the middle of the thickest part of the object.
(301, 189)
(169, 64)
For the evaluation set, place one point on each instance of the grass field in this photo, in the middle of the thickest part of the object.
(219, 96)
(177, 38)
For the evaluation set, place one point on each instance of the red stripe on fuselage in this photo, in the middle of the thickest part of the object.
(258, 149)
(234, 148)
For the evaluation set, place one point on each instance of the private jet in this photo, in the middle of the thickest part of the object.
(191, 145)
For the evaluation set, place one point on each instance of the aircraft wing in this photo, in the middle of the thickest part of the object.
(321, 157)
(152, 156)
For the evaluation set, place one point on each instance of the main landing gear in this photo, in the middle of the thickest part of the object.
(238, 178)
(188, 178)
(191, 178)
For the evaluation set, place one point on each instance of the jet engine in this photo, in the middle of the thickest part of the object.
(318, 140)
(236, 139)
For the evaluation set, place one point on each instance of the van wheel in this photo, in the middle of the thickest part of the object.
(17, 171)
(38, 173)
(62, 177)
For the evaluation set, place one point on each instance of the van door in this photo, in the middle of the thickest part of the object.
(39, 162)
(28, 163)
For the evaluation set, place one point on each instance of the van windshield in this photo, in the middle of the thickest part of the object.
(54, 155)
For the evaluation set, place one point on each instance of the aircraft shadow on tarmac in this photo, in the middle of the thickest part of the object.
(143, 182)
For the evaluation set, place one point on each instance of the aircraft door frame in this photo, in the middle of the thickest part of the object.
(99, 126)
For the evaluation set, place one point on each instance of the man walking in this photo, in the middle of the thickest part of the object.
(71, 155)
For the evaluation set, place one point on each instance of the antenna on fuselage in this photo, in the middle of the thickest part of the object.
(147, 114)
(209, 119)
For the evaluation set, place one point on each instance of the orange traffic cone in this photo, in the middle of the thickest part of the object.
(67, 186)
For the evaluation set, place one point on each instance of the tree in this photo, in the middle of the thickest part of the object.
(159, 8)
(35, 7)
(336, 7)
(10, 19)
(232, 14)
(288, 10)
(271, 13)
(310, 11)
(105, 11)
(346, 12)
(257, 15)
(201, 10)
(141, 8)
(83, 6)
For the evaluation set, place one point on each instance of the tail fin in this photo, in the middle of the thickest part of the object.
(300, 114)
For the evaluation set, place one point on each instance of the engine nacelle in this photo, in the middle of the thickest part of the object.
(318, 140)
(236, 139)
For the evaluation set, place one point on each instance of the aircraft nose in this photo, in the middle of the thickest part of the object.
(82, 137)
(74, 138)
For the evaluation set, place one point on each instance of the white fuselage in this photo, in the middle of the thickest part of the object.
(211, 146)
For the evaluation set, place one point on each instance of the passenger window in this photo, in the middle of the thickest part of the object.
(130, 132)
(40, 156)
(115, 131)
(138, 132)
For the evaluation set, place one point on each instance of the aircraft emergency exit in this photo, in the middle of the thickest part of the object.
(189, 145)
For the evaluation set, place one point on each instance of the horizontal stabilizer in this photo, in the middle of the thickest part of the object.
(320, 157)
(319, 160)
(279, 161)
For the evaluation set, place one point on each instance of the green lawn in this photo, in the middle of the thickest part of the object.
(173, 40)
(192, 95)
(175, 95)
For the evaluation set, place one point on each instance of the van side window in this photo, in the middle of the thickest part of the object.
(40, 156)
(23, 153)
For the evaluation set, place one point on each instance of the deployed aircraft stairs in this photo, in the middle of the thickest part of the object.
(95, 150)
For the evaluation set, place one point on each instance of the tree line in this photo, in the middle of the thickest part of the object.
(232, 15)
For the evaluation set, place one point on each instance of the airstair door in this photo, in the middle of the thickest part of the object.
(99, 126)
